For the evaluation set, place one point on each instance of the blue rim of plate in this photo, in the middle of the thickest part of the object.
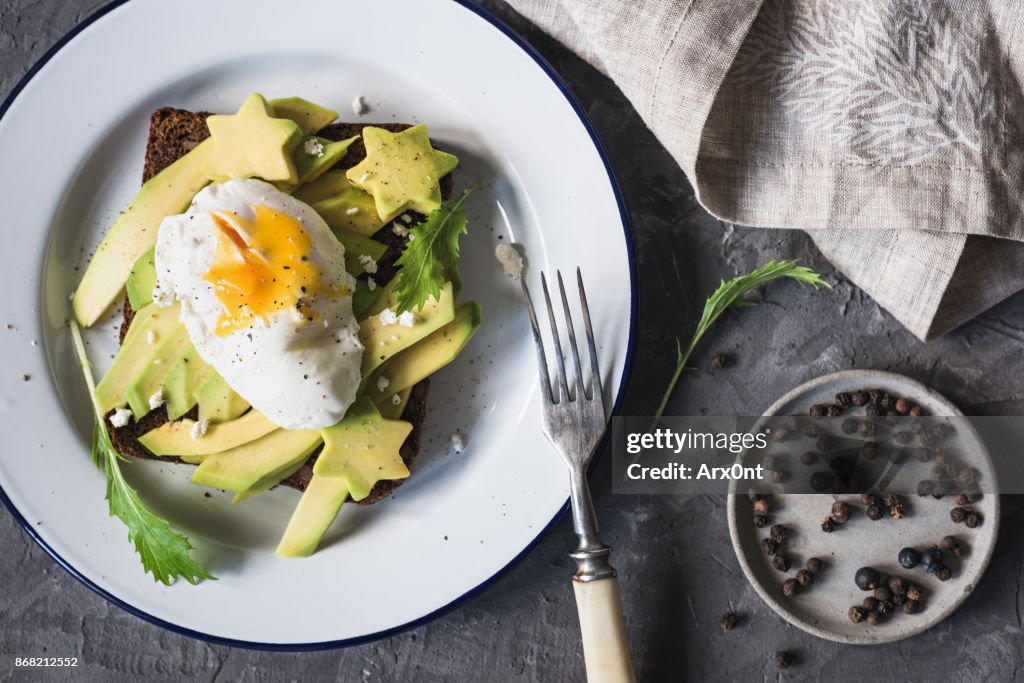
(473, 592)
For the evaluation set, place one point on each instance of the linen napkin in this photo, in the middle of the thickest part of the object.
(889, 130)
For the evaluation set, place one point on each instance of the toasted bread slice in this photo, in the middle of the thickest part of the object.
(173, 133)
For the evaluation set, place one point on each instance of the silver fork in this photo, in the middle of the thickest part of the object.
(575, 423)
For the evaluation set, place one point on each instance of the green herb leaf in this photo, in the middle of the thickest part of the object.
(164, 552)
(729, 295)
(431, 256)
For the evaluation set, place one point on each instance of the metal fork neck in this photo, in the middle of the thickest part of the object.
(591, 554)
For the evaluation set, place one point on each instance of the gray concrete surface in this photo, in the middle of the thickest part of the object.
(678, 570)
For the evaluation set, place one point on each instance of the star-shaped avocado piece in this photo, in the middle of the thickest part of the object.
(252, 143)
(401, 170)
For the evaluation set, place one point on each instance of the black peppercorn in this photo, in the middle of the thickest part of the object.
(925, 487)
(898, 599)
(961, 499)
(866, 429)
(916, 411)
(832, 411)
(966, 476)
(937, 473)
(840, 512)
(973, 520)
(886, 401)
(911, 607)
(827, 525)
(849, 425)
(762, 507)
(922, 454)
(885, 607)
(870, 603)
(913, 592)
(868, 451)
(844, 399)
(858, 398)
(874, 618)
(890, 499)
(790, 587)
(952, 544)
(805, 577)
(869, 499)
(958, 515)
(817, 411)
(760, 521)
(942, 458)
(903, 406)
(728, 621)
(873, 410)
(867, 578)
(903, 437)
(813, 564)
(782, 433)
(875, 512)
(897, 585)
(897, 511)
(782, 659)
(769, 546)
(875, 394)
(857, 614)
(774, 460)
(882, 593)
(811, 430)
(944, 573)
(779, 533)
(809, 457)
(942, 430)
(781, 562)
(718, 361)
(820, 482)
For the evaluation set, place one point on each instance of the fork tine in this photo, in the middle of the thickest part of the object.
(542, 360)
(596, 387)
(559, 359)
(580, 389)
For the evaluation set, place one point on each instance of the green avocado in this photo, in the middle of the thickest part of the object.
(134, 233)
(357, 246)
(363, 298)
(330, 184)
(141, 281)
(136, 353)
(150, 377)
(392, 410)
(426, 357)
(175, 438)
(218, 402)
(253, 143)
(311, 166)
(314, 514)
(382, 341)
(277, 454)
(350, 209)
(185, 375)
(309, 117)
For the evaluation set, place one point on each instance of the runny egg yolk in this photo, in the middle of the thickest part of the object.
(261, 266)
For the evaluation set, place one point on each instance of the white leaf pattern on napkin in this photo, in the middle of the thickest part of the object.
(888, 85)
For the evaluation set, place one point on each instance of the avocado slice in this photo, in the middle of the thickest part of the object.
(427, 356)
(356, 246)
(243, 467)
(383, 341)
(218, 402)
(352, 210)
(134, 233)
(135, 353)
(149, 378)
(141, 281)
(363, 299)
(175, 438)
(389, 409)
(401, 170)
(308, 116)
(185, 375)
(363, 449)
(330, 184)
(314, 514)
(253, 143)
(312, 166)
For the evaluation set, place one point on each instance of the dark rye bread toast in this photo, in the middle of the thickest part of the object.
(172, 134)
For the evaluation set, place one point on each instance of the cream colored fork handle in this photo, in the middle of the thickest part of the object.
(605, 647)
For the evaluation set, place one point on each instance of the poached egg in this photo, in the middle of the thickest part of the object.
(266, 300)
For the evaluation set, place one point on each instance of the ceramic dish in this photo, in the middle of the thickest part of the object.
(73, 135)
(822, 609)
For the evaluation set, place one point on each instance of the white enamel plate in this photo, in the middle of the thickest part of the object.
(73, 137)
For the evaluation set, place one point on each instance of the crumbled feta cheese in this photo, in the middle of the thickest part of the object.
(407, 319)
(388, 317)
(407, 218)
(359, 106)
(352, 211)
(510, 259)
(400, 230)
(382, 383)
(371, 284)
(369, 265)
(313, 148)
(396, 399)
(157, 399)
(199, 429)
(458, 445)
(121, 417)
(150, 336)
